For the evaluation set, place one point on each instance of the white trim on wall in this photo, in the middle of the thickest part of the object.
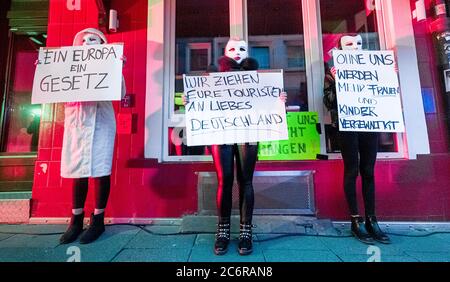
(155, 78)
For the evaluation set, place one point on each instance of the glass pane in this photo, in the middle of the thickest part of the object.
(201, 31)
(21, 118)
(342, 18)
(276, 40)
(262, 55)
(198, 59)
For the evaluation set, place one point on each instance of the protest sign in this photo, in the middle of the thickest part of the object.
(303, 143)
(234, 107)
(78, 73)
(368, 92)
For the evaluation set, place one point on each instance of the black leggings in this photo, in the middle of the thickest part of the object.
(246, 156)
(364, 144)
(80, 190)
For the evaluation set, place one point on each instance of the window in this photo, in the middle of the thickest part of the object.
(200, 29)
(296, 36)
(275, 31)
(20, 120)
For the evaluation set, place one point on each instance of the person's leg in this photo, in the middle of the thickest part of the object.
(349, 151)
(245, 166)
(223, 157)
(368, 146)
(102, 193)
(97, 224)
(79, 194)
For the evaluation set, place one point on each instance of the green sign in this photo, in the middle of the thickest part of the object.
(303, 143)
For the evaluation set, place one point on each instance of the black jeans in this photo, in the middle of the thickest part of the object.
(224, 158)
(359, 152)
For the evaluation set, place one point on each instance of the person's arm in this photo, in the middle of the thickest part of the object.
(329, 92)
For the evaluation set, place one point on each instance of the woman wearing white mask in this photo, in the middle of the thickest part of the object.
(87, 151)
(359, 152)
(245, 155)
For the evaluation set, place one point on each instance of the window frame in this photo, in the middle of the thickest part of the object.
(161, 117)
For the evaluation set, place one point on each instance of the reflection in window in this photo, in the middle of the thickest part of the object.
(20, 119)
(349, 17)
(295, 57)
(261, 54)
(276, 40)
(202, 29)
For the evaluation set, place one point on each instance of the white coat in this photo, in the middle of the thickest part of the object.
(89, 133)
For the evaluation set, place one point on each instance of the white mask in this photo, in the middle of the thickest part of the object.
(351, 42)
(236, 50)
(91, 39)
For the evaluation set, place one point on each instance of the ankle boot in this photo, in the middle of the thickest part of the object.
(74, 230)
(245, 240)
(375, 231)
(95, 229)
(359, 230)
(222, 238)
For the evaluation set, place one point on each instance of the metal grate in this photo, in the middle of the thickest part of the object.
(276, 192)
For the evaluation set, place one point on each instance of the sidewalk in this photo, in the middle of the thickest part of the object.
(276, 239)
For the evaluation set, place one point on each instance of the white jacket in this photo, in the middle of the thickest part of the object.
(89, 133)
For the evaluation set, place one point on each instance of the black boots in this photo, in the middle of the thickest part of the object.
(222, 238)
(95, 229)
(245, 246)
(245, 240)
(375, 231)
(359, 230)
(74, 230)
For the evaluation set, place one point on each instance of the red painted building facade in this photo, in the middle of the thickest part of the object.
(410, 186)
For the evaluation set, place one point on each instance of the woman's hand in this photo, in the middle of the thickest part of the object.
(333, 71)
(184, 99)
(124, 60)
(283, 97)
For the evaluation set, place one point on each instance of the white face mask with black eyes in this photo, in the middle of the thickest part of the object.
(91, 39)
(351, 42)
(236, 50)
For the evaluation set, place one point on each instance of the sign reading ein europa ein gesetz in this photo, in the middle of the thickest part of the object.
(368, 92)
(78, 73)
(234, 107)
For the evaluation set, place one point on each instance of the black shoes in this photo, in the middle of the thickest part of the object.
(245, 246)
(222, 238)
(374, 230)
(74, 230)
(359, 230)
(95, 229)
(245, 240)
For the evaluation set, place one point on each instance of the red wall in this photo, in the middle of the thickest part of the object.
(406, 190)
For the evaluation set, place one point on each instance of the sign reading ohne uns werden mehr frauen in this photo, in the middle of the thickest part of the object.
(78, 73)
(234, 107)
(368, 92)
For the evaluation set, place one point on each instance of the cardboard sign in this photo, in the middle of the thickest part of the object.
(78, 73)
(368, 92)
(234, 107)
(303, 143)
